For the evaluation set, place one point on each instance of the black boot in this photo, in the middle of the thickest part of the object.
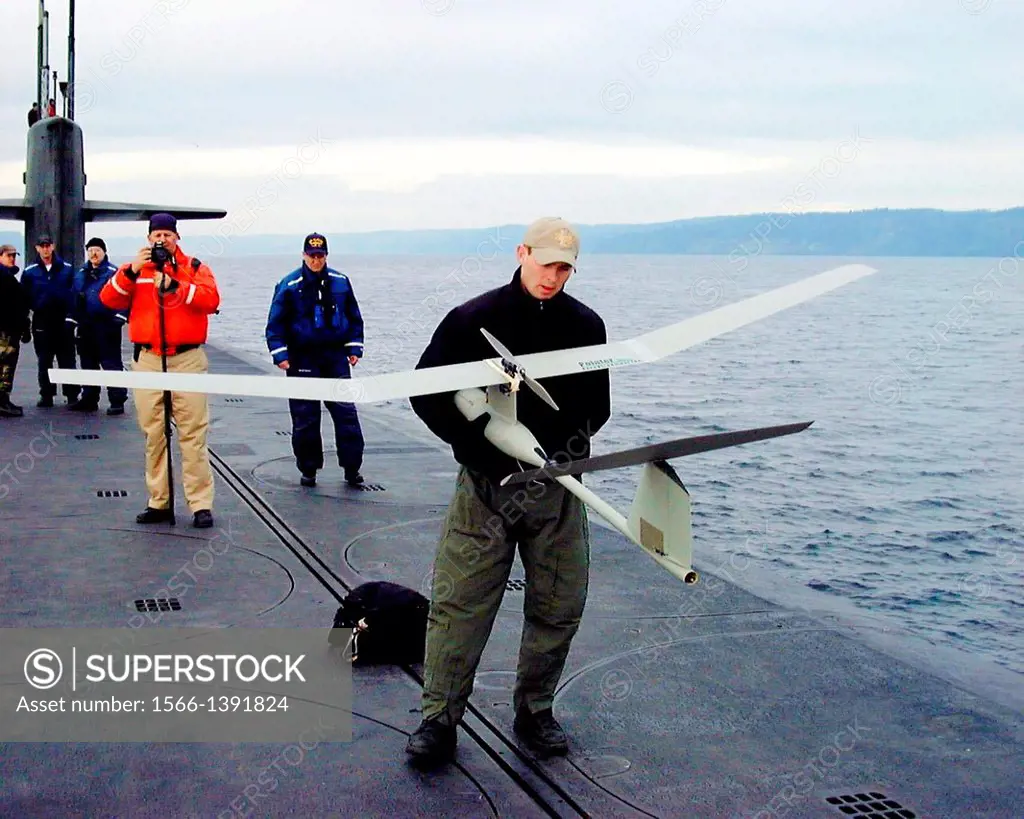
(84, 405)
(45, 401)
(7, 409)
(353, 478)
(152, 515)
(433, 743)
(541, 732)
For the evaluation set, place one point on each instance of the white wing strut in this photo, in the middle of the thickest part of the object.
(648, 347)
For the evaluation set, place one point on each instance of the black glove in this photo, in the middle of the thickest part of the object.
(474, 451)
(472, 441)
(131, 274)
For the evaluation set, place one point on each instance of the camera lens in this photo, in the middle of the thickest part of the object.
(160, 254)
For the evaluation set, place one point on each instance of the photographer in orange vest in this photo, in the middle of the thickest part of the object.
(170, 296)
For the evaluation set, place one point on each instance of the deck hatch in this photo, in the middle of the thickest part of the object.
(158, 604)
(872, 805)
(370, 487)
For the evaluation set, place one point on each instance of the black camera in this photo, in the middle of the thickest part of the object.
(160, 255)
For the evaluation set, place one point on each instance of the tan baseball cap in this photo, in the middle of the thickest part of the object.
(552, 239)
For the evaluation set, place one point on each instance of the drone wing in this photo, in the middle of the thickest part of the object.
(366, 389)
(664, 451)
(692, 331)
(388, 386)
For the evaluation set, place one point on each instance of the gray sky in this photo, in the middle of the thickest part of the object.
(340, 116)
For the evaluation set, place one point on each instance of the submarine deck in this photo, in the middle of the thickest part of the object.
(687, 701)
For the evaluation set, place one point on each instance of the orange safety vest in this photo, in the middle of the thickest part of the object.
(186, 308)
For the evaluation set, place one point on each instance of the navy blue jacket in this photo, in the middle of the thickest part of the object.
(87, 311)
(298, 326)
(49, 294)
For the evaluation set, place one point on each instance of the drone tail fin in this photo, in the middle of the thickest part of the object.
(659, 519)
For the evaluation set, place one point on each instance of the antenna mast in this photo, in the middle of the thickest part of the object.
(70, 97)
(41, 71)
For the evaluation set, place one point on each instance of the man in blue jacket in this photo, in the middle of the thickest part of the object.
(47, 284)
(97, 328)
(315, 330)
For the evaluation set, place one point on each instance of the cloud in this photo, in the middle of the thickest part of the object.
(287, 196)
(734, 98)
(405, 164)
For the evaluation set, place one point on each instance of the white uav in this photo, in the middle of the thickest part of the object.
(659, 518)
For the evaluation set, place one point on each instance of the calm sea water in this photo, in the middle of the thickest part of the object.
(906, 497)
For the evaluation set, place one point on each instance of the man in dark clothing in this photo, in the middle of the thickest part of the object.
(315, 330)
(97, 328)
(47, 283)
(33, 114)
(13, 327)
(486, 522)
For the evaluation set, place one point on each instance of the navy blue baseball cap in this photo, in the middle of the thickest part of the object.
(315, 243)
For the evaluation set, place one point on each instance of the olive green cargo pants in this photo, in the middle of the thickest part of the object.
(484, 524)
(9, 352)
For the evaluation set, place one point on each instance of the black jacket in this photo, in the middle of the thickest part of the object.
(13, 304)
(524, 325)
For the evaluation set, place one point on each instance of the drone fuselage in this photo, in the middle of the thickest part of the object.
(659, 521)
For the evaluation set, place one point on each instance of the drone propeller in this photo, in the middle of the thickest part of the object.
(514, 370)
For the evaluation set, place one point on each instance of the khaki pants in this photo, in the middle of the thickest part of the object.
(191, 415)
(484, 524)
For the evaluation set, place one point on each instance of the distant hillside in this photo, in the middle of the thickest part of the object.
(881, 232)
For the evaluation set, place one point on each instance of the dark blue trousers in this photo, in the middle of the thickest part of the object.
(307, 443)
(100, 346)
(54, 338)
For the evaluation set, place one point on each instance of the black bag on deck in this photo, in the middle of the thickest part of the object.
(385, 622)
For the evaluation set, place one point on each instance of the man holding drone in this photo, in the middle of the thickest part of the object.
(486, 522)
